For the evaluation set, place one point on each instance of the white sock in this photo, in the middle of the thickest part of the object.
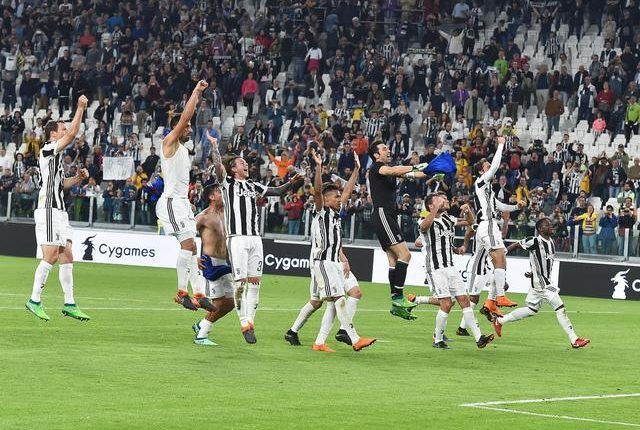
(565, 323)
(492, 289)
(240, 301)
(205, 328)
(306, 311)
(422, 300)
(195, 277)
(183, 267)
(253, 297)
(441, 324)
(65, 275)
(39, 280)
(471, 322)
(500, 277)
(516, 315)
(345, 320)
(327, 323)
(463, 323)
(352, 306)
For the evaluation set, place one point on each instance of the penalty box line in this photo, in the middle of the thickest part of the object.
(492, 406)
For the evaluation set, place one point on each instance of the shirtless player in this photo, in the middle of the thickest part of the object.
(213, 259)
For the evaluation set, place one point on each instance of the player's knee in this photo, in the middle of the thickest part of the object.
(355, 292)
(315, 304)
(474, 299)
(226, 305)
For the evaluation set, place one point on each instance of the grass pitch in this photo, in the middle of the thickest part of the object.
(133, 366)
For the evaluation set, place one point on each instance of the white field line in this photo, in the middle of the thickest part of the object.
(552, 399)
(490, 406)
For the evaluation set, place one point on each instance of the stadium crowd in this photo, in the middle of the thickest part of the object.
(415, 75)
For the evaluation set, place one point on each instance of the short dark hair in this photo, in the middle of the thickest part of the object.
(374, 149)
(540, 222)
(174, 121)
(328, 187)
(209, 188)
(429, 199)
(49, 128)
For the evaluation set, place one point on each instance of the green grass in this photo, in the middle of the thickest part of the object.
(136, 368)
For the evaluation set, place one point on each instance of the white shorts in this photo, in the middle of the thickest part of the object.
(478, 282)
(176, 217)
(538, 293)
(350, 283)
(246, 256)
(328, 280)
(446, 282)
(52, 227)
(221, 287)
(489, 235)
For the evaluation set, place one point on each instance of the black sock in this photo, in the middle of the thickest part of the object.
(392, 283)
(400, 277)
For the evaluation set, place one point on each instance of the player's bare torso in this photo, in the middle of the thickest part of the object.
(211, 228)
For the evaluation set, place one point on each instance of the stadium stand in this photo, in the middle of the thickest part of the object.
(425, 77)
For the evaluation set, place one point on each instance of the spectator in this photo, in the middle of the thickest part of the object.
(293, 207)
(588, 224)
(607, 236)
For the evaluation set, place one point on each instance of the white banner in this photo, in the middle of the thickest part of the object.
(135, 249)
(516, 267)
(117, 168)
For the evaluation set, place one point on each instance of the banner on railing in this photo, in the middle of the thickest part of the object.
(608, 281)
(117, 168)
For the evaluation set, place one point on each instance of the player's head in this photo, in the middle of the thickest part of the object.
(213, 194)
(544, 227)
(54, 130)
(186, 133)
(379, 152)
(238, 168)
(484, 165)
(435, 199)
(331, 196)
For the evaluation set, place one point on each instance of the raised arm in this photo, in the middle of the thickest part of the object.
(405, 171)
(317, 181)
(217, 159)
(278, 191)
(348, 188)
(495, 163)
(80, 176)
(502, 207)
(172, 140)
(68, 137)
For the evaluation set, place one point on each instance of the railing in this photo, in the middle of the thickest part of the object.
(120, 213)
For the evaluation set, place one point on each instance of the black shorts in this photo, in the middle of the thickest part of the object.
(385, 224)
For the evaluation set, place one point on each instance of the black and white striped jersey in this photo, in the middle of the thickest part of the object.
(326, 235)
(541, 255)
(438, 243)
(372, 126)
(241, 212)
(572, 182)
(51, 195)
